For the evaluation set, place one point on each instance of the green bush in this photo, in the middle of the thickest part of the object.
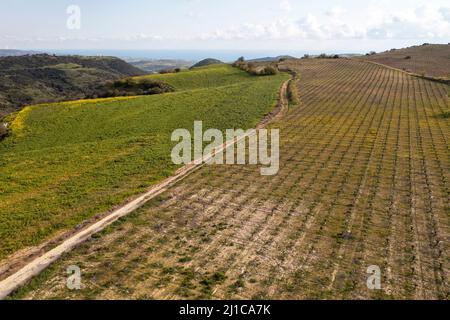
(131, 87)
(3, 131)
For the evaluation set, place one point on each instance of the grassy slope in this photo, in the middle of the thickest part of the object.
(66, 162)
(204, 77)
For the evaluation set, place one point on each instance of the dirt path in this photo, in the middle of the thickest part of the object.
(25, 270)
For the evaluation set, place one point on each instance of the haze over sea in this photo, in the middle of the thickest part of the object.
(191, 55)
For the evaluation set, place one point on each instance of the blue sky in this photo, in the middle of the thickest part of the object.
(332, 26)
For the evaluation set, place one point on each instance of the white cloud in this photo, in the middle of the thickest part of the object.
(286, 6)
(445, 12)
(335, 13)
(422, 22)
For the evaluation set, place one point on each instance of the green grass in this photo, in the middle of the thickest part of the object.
(64, 163)
(203, 77)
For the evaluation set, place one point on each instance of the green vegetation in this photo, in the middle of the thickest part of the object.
(46, 78)
(255, 68)
(200, 78)
(206, 62)
(63, 163)
(131, 87)
(153, 66)
(364, 179)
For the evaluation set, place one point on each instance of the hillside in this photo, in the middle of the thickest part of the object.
(65, 162)
(430, 60)
(206, 62)
(33, 79)
(201, 77)
(155, 66)
(363, 181)
(272, 59)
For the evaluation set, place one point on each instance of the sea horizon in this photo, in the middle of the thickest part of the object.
(180, 54)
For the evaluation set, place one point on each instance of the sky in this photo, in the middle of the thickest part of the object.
(344, 26)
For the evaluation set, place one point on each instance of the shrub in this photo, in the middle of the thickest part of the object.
(408, 57)
(293, 94)
(306, 56)
(240, 63)
(3, 131)
(445, 115)
(165, 71)
(253, 69)
(131, 87)
(325, 56)
(269, 71)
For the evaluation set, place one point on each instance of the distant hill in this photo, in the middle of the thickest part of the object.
(428, 59)
(271, 59)
(206, 62)
(33, 79)
(155, 66)
(13, 52)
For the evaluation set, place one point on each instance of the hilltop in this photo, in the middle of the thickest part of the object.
(42, 78)
(206, 62)
(157, 65)
(428, 59)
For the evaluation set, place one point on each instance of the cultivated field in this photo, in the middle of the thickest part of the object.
(63, 163)
(364, 180)
(427, 60)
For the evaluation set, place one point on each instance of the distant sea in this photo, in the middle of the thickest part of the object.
(189, 55)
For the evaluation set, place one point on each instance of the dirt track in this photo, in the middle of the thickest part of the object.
(26, 270)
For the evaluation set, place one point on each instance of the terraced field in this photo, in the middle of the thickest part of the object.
(64, 163)
(364, 180)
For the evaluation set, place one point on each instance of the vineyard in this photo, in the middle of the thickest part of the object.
(363, 181)
(431, 60)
